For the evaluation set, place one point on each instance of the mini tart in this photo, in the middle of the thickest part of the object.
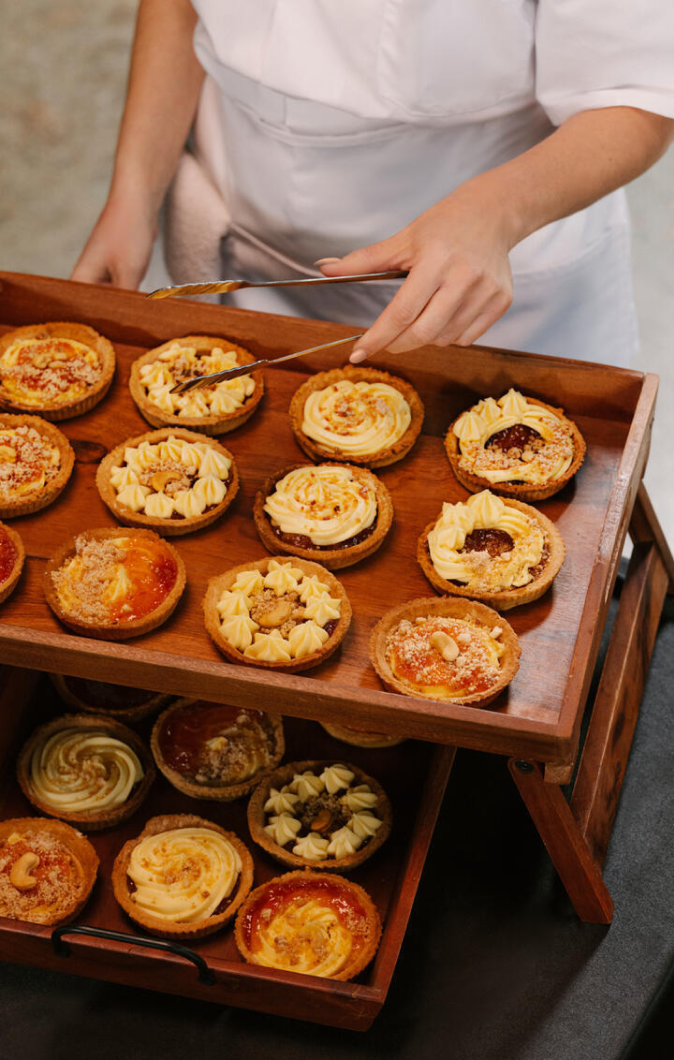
(277, 613)
(309, 923)
(36, 461)
(183, 877)
(319, 814)
(47, 871)
(172, 481)
(360, 738)
(475, 656)
(90, 771)
(58, 370)
(500, 551)
(357, 414)
(516, 446)
(113, 584)
(333, 513)
(212, 410)
(12, 559)
(214, 751)
(115, 701)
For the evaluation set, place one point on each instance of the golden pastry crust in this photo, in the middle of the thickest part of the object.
(93, 389)
(360, 738)
(115, 628)
(521, 490)
(224, 582)
(82, 697)
(224, 791)
(29, 767)
(47, 839)
(445, 607)
(12, 559)
(212, 423)
(281, 779)
(362, 924)
(503, 599)
(332, 558)
(56, 475)
(160, 926)
(381, 458)
(177, 524)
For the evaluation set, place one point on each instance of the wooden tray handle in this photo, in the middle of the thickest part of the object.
(62, 949)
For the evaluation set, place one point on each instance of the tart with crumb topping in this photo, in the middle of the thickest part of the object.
(319, 814)
(516, 446)
(451, 650)
(311, 923)
(172, 481)
(113, 584)
(360, 737)
(47, 871)
(277, 613)
(36, 461)
(216, 751)
(358, 414)
(101, 697)
(497, 550)
(213, 409)
(332, 513)
(12, 559)
(183, 877)
(58, 370)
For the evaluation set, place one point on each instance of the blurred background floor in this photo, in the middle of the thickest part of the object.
(64, 66)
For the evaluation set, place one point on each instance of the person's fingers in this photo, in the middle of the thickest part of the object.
(492, 312)
(377, 257)
(91, 268)
(403, 309)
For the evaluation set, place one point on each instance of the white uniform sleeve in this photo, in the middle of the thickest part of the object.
(604, 53)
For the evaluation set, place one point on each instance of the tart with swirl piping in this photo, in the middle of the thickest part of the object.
(361, 415)
(47, 871)
(113, 584)
(172, 481)
(516, 446)
(213, 409)
(319, 814)
(36, 461)
(493, 549)
(310, 923)
(182, 877)
(277, 613)
(12, 558)
(333, 513)
(92, 772)
(215, 751)
(59, 370)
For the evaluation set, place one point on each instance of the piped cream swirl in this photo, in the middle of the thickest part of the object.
(357, 419)
(84, 771)
(327, 504)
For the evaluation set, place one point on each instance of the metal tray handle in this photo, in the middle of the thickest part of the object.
(62, 949)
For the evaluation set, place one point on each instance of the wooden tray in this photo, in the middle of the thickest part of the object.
(539, 717)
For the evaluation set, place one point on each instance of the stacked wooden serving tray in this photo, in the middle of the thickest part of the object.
(536, 722)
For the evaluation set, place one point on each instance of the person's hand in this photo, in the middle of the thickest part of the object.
(459, 280)
(119, 248)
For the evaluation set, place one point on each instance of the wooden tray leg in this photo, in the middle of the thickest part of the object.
(644, 526)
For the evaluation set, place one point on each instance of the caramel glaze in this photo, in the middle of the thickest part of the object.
(277, 894)
(519, 436)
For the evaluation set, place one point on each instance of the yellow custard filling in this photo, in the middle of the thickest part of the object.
(445, 658)
(27, 461)
(327, 504)
(184, 362)
(358, 419)
(317, 941)
(52, 371)
(171, 478)
(83, 771)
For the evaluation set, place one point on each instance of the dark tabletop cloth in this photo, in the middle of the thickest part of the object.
(495, 965)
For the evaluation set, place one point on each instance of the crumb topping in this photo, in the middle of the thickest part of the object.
(57, 874)
(28, 461)
(49, 372)
(416, 656)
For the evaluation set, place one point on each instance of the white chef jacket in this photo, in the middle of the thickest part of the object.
(326, 125)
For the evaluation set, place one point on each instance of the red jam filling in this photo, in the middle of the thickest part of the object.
(153, 573)
(185, 732)
(278, 894)
(8, 555)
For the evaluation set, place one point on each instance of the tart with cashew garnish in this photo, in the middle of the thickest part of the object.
(451, 650)
(212, 409)
(277, 613)
(319, 814)
(58, 370)
(12, 559)
(47, 871)
(172, 481)
(36, 461)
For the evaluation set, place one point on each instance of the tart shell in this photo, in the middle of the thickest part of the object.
(215, 792)
(118, 631)
(8, 508)
(78, 333)
(502, 599)
(221, 582)
(125, 714)
(359, 738)
(165, 527)
(332, 558)
(164, 928)
(451, 607)
(9, 584)
(219, 423)
(384, 457)
(523, 491)
(282, 776)
(91, 821)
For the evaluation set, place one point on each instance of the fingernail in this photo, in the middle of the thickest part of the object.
(358, 355)
(326, 261)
